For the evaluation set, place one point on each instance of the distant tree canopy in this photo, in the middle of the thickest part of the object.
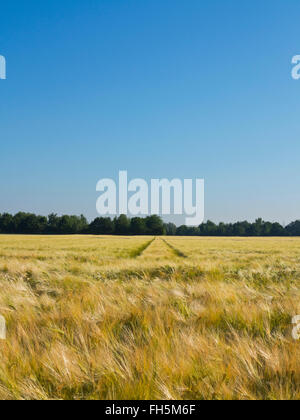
(102, 226)
(122, 225)
(27, 223)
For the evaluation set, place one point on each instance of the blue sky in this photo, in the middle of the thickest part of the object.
(162, 88)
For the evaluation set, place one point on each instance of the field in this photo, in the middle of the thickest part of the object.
(149, 318)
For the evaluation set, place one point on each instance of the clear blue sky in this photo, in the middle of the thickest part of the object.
(162, 88)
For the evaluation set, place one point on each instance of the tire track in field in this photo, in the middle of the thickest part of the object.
(175, 251)
(140, 250)
(158, 252)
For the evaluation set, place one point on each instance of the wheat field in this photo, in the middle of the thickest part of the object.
(93, 317)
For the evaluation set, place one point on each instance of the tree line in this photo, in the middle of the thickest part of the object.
(28, 223)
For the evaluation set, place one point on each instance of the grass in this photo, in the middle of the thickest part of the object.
(139, 251)
(176, 251)
(136, 318)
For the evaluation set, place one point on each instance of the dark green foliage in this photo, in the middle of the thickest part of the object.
(170, 229)
(122, 225)
(137, 226)
(102, 226)
(27, 223)
(154, 226)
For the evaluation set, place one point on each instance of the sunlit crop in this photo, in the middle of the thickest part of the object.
(93, 317)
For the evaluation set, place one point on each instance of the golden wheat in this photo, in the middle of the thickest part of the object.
(131, 318)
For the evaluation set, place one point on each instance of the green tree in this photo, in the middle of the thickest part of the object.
(170, 229)
(155, 225)
(122, 225)
(102, 226)
(138, 226)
